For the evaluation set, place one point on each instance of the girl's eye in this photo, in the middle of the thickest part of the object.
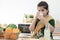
(39, 10)
(42, 10)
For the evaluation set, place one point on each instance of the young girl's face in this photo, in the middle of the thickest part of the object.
(43, 10)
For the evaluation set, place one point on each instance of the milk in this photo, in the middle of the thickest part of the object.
(41, 13)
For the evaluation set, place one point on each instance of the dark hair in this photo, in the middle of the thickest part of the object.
(44, 5)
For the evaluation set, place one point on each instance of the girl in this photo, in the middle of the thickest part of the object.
(41, 19)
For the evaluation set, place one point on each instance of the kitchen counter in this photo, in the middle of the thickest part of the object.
(55, 38)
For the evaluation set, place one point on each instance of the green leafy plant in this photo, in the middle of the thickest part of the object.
(31, 16)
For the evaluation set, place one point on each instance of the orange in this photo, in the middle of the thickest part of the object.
(8, 30)
(15, 30)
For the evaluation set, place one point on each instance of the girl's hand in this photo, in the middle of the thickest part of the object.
(43, 19)
(37, 14)
(40, 16)
(32, 26)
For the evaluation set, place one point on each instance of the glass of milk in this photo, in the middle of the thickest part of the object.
(41, 13)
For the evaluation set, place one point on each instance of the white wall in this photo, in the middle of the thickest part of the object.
(11, 11)
(54, 8)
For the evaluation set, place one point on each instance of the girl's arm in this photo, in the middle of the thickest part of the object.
(32, 26)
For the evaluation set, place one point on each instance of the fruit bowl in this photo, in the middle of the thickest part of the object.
(11, 33)
(12, 36)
